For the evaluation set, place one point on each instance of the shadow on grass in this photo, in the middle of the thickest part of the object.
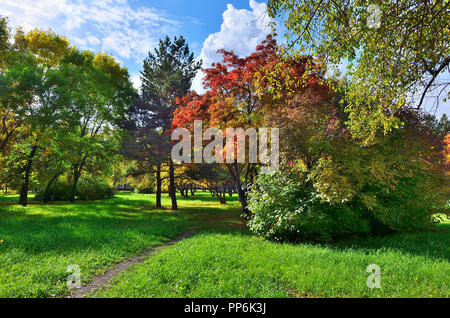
(434, 244)
(112, 223)
(126, 218)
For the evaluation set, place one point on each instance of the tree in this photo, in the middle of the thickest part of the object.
(9, 122)
(101, 100)
(168, 73)
(37, 93)
(397, 51)
(5, 45)
(239, 95)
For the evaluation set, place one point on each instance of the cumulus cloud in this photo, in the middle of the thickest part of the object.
(241, 31)
(136, 80)
(110, 25)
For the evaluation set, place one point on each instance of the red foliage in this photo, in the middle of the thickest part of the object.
(447, 151)
(234, 87)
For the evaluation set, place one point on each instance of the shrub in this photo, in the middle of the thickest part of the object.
(286, 207)
(94, 189)
(61, 193)
(89, 188)
(146, 190)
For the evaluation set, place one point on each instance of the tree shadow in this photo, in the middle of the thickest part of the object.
(433, 244)
(96, 225)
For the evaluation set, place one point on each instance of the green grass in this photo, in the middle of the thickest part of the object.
(8, 198)
(236, 264)
(222, 260)
(39, 242)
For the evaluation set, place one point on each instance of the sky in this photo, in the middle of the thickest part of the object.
(128, 29)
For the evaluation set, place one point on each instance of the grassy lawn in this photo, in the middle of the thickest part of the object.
(236, 264)
(8, 198)
(222, 260)
(39, 242)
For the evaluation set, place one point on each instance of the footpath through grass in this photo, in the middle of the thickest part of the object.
(222, 260)
(237, 264)
(39, 242)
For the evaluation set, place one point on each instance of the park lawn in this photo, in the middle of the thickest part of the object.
(237, 264)
(8, 198)
(39, 242)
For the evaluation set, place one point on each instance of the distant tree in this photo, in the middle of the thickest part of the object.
(443, 126)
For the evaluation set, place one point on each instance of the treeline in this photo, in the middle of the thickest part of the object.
(69, 115)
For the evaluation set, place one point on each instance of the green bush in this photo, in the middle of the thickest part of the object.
(286, 207)
(94, 189)
(89, 188)
(148, 190)
(61, 193)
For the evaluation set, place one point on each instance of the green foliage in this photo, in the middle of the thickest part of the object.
(286, 207)
(149, 190)
(90, 188)
(330, 204)
(396, 52)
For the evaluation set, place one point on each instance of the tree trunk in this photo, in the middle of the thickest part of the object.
(192, 189)
(54, 189)
(172, 192)
(76, 178)
(47, 188)
(23, 200)
(230, 189)
(241, 193)
(158, 185)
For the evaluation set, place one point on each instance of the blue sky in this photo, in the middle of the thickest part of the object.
(128, 29)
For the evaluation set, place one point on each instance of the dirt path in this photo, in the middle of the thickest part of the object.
(104, 279)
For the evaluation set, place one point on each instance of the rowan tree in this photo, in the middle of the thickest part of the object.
(239, 95)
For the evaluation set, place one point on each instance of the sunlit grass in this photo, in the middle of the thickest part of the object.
(236, 264)
(223, 259)
(38, 242)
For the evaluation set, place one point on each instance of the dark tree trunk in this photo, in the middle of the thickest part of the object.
(23, 200)
(172, 192)
(47, 188)
(241, 193)
(76, 178)
(192, 189)
(158, 185)
(224, 191)
(54, 189)
(230, 189)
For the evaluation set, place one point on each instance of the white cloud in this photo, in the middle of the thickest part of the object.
(110, 25)
(136, 80)
(241, 31)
